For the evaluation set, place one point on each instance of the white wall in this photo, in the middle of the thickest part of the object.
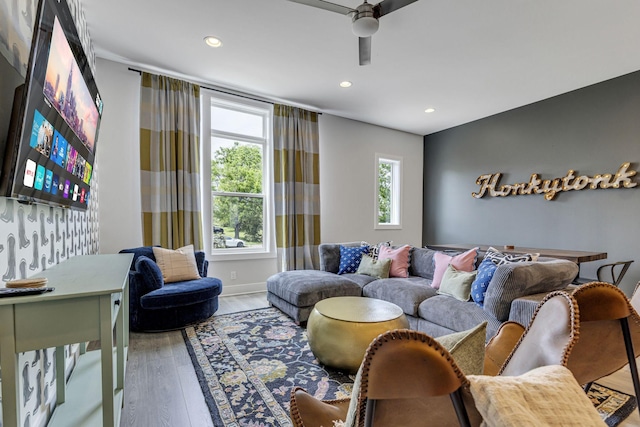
(119, 157)
(347, 181)
(347, 173)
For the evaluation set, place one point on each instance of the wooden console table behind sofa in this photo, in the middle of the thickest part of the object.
(576, 256)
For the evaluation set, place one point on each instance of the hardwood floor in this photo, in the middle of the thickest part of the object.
(161, 388)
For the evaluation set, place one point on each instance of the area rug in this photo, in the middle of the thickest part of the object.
(248, 362)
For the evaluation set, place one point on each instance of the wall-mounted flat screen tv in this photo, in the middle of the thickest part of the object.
(56, 116)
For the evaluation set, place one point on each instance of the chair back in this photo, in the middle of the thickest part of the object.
(614, 271)
(600, 350)
(549, 338)
(406, 375)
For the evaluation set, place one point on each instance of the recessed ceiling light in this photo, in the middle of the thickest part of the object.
(213, 41)
(429, 110)
(345, 84)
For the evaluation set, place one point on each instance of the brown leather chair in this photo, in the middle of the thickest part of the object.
(609, 327)
(407, 378)
(597, 341)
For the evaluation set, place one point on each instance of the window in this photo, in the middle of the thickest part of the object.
(388, 184)
(236, 157)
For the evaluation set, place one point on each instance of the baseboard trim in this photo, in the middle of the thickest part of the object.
(245, 288)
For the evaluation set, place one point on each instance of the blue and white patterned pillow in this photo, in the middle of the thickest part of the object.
(499, 258)
(486, 269)
(374, 249)
(350, 258)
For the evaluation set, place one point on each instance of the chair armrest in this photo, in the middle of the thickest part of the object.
(330, 255)
(307, 411)
(518, 279)
(202, 263)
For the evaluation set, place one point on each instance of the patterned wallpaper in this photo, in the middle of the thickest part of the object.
(36, 237)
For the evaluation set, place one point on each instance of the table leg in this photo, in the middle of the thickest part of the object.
(61, 389)
(106, 349)
(9, 368)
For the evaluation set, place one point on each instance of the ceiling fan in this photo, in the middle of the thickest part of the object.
(364, 19)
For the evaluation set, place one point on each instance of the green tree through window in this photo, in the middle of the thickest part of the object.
(236, 185)
(384, 193)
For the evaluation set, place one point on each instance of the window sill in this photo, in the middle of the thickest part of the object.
(388, 227)
(238, 255)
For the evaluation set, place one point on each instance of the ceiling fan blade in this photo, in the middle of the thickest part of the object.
(387, 6)
(321, 4)
(364, 49)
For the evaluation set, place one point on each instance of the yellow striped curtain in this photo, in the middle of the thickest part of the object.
(170, 162)
(297, 187)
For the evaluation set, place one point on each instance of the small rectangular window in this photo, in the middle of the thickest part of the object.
(388, 192)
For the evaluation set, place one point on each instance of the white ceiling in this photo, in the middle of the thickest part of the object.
(467, 58)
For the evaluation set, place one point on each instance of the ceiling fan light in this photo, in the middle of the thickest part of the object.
(365, 26)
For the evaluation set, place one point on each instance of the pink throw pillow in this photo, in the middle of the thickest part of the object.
(399, 260)
(463, 262)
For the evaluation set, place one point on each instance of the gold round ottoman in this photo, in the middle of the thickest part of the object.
(340, 329)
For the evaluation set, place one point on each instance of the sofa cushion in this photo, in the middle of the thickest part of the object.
(422, 263)
(457, 283)
(350, 258)
(152, 275)
(361, 279)
(451, 313)
(376, 268)
(303, 288)
(479, 286)
(399, 260)
(182, 293)
(177, 265)
(465, 261)
(405, 293)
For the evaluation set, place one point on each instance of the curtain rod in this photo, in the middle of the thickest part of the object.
(225, 92)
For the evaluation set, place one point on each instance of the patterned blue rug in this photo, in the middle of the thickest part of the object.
(248, 362)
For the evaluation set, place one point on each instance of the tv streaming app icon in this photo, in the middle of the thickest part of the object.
(59, 150)
(48, 177)
(29, 173)
(82, 193)
(54, 184)
(66, 189)
(75, 192)
(39, 178)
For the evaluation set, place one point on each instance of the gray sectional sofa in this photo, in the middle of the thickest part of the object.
(296, 292)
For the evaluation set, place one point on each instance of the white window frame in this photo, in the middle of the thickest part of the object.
(395, 222)
(211, 98)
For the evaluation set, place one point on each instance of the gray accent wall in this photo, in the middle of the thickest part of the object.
(591, 130)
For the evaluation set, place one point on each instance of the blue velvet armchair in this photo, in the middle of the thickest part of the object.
(156, 306)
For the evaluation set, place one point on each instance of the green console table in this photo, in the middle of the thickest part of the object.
(90, 302)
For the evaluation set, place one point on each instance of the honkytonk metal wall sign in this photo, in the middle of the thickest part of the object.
(490, 183)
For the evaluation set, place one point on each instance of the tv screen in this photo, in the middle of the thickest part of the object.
(52, 156)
